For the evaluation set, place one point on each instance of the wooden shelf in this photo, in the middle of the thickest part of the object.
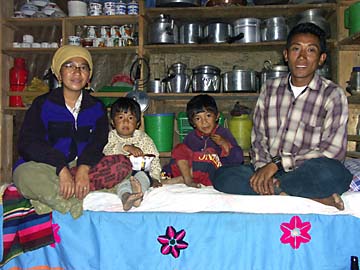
(220, 47)
(204, 14)
(351, 43)
(79, 20)
(31, 22)
(94, 51)
(103, 20)
(187, 96)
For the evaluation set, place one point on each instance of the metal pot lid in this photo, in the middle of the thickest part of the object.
(246, 21)
(206, 69)
(280, 68)
(141, 97)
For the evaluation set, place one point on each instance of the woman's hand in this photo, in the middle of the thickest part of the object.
(133, 150)
(262, 180)
(82, 182)
(221, 141)
(66, 183)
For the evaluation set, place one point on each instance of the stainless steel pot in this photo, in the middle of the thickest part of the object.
(271, 71)
(217, 32)
(163, 30)
(191, 33)
(206, 78)
(274, 28)
(178, 81)
(156, 86)
(240, 80)
(249, 27)
(315, 16)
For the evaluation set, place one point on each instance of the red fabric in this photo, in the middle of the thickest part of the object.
(110, 171)
(201, 163)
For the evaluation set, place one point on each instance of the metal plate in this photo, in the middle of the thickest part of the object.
(141, 97)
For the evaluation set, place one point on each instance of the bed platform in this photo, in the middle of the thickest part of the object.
(181, 228)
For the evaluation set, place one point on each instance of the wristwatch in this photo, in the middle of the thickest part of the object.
(277, 161)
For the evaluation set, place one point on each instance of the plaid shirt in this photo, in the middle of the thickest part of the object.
(297, 129)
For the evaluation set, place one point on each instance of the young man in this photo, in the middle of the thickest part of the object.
(299, 135)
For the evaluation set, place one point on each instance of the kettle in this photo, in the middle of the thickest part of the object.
(178, 81)
(271, 71)
(163, 30)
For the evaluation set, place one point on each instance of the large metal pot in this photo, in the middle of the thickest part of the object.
(315, 16)
(249, 27)
(206, 78)
(163, 30)
(191, 33)
(240, 80)
(271, 71)
(274, 28)
(217, 32)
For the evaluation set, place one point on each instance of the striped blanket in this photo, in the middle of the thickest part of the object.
(23, 229)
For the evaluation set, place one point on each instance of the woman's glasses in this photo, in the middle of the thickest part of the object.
(71, 67)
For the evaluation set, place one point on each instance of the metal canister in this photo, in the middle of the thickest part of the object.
(206, 78)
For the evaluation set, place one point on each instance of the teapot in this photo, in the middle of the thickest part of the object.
(178, 81)
(163, 30)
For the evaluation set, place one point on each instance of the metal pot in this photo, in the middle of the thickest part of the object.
(217, 32)
(271, 71)
(191, 33)
(156, 86)
(274, 29)
(178, 81)
(315, 16)
(249, 27)
(206, 78)
(163, 30)
(240, 80)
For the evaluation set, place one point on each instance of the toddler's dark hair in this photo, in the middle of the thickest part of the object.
(126, 104)
(200, 103)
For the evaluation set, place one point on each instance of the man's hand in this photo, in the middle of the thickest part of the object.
(133, 150)
(82, 182)
(262, 180)
(221, 141)
(66, 183)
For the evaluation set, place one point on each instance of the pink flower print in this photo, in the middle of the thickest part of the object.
(172, 242)
(57, 238)
(295, 232)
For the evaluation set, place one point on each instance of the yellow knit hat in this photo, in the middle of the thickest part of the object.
(67, 52)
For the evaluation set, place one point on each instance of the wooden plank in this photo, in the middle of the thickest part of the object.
(204, 14)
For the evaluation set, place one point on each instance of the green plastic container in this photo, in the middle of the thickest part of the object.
(160, 127)
(184, 126)
(108, 101)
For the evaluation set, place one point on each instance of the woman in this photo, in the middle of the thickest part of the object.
(62, 138)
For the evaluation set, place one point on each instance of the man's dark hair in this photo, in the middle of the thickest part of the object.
(308, 28)
(200, 103)
(126, 104)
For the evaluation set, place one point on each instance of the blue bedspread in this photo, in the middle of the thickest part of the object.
(188, 241)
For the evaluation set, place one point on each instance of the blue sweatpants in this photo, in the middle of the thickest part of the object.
(315, 178)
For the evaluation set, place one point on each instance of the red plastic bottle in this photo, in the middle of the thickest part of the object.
(18, 78)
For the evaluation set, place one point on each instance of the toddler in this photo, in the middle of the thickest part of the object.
(127, 139)
(204, 149)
